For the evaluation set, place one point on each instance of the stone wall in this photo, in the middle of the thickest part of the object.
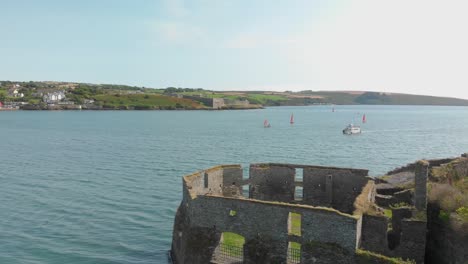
(218, 103)
(211, 207)
(420, 181)
(212, 204)
(406, 239)
(374, 234)
(272, 182)
(413, 240)
(192, 244)
(213, 180)
(405, 196)
(333, 187)
(232, 181)
(445, 242)
(218, 180)
(383, 200)
(254, 217)
(268, 221)
(322, 186)
(407, 236)
(412, 166)
(398, 215)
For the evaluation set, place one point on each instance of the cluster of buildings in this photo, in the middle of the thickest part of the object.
(50, 98)
(53, 97)
(15, 92)
(47, 97)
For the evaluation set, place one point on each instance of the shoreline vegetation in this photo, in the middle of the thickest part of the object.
(84, 96)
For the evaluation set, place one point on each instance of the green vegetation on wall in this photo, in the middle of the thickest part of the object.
(449, 191)
(367, 257)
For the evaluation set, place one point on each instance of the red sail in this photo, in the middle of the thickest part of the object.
(364, 118)
(292, 119)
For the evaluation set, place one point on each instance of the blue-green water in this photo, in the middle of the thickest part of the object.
(103, 187)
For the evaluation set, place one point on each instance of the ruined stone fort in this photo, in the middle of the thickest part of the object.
(287, 213)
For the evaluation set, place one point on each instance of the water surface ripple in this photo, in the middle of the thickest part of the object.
(103, 187)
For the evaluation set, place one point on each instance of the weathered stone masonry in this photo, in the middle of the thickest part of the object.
(420, 191)
(213, 203)
(209, 196)
(407, 237)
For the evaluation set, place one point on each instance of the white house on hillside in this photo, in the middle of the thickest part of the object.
(15, 93)
(53, 97)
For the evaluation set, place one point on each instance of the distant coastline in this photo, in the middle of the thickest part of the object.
(80, 107)
(84, 96)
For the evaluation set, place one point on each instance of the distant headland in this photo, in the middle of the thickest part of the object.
(51, 95)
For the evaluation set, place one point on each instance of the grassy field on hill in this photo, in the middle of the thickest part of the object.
(144, 101)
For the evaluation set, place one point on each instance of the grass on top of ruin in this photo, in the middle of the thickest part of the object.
(365, 257)
(362, 203)
(449, 190)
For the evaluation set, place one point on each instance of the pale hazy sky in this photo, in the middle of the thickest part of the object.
(410, 46)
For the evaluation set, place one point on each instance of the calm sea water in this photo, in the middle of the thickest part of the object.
(103, 187)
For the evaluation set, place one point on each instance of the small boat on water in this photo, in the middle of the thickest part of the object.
(291, 120)
(266, 124)
(352, 129)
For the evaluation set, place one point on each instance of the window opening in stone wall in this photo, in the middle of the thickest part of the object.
(230, 248)
(294, 224)
(294, 253)
(299, 175)
(245, 190)
(245, 172)
(393, 239)
(205, 180)
(298, 193)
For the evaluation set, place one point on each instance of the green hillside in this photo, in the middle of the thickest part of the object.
(116, 96)
(144, 102)
(377, 98)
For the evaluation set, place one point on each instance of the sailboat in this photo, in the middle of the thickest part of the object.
(291, 120)
(266, 123)
(364, 118)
